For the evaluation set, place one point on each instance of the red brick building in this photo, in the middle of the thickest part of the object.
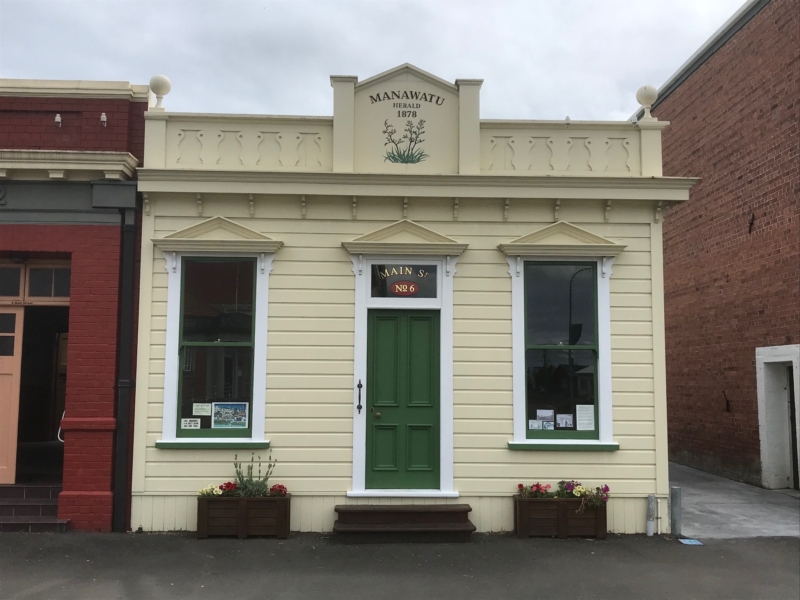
(732, 253)
(68, 252)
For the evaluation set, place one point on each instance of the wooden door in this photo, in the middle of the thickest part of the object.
(11, 321)
(402, 399)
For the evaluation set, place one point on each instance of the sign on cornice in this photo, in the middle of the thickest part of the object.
(406, 124)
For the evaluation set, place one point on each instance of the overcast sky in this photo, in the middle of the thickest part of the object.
(540, 59)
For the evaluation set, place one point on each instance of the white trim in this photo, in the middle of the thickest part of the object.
(402, 494)
(170, 407)
(775, 440)
(446, 269)
(604, 387)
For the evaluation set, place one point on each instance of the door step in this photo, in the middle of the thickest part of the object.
(34, 524)
(30, 508)
(442, 523)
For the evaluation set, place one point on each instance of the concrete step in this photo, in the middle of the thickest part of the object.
(33, 524)
(442, 523)
(30, 491)
(28, 507)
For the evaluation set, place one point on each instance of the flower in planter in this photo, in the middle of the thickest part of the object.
(536, 490)
(590, 498)
(249, 483)
(228, 488)
(210, 490)
(278, 490)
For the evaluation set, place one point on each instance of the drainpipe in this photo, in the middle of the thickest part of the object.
(124, 382)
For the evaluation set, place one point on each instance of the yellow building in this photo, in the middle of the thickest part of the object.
(403, 302)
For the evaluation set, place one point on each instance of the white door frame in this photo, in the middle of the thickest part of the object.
(773, 413)
(444, 303)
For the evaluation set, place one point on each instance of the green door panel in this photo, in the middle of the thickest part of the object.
(402, 403)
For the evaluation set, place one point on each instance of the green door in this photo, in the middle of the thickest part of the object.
(403, 399)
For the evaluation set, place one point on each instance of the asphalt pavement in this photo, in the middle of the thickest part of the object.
(311, 566)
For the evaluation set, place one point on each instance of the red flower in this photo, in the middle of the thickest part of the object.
(228, 486)
(521, 487)
(278, 490)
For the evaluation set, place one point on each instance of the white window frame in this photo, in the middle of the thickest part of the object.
(605, 419)
(362, 267)
(172, 366)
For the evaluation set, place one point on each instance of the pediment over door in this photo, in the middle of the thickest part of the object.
(217, 234)
(562, 239)
(405, 238)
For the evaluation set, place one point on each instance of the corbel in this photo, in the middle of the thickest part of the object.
(519, 265)
(302, 207)
(608, 210)
(447, 266)
(605, 266)
(360, 264)
(174, 262)
(659, 211)
(455, 209)
(405, 207)
(505, 210)
(252, 205)
(200, 204)
(146, 199)
(355, 207)
(56, 173)
(262, 261)
(556, 208)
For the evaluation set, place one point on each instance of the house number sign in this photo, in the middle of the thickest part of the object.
(402, 280)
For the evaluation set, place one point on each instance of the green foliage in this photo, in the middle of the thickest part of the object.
(404, 150)
(248, 483)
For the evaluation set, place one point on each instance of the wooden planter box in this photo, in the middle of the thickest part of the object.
(243, 517)
(551, 517)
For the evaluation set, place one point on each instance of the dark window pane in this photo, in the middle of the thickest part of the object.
(9, 281)
(61, 283)
(41, 283)
(8, 322)
(218, 301)
(560, 304)
(211, 374)
(6, 345)
(556, 382)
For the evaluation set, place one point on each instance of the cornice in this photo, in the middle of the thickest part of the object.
(56, 88)
(405, 248)
(193, 245)
(113, 165)
(471, 185)
(561, 250)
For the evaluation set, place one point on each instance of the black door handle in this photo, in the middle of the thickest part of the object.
(358, 406)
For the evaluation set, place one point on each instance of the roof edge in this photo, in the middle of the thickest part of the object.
(730, 28)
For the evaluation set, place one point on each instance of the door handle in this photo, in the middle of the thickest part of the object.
(377, 415)
(358, 406)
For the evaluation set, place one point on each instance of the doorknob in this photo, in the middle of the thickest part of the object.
(377, 415)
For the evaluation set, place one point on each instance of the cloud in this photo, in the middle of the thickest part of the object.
(539, 59)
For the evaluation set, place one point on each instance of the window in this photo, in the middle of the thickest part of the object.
(561, 349)
(38, 281)
(216, 347)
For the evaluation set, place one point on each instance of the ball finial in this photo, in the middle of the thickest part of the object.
(646, 96)
(160, 85)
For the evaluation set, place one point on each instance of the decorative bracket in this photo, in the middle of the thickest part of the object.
(608, 211)
(302, 207)
(556, 208)
(447, 266)
(455, 209)
(174, 262)
(262, 261)
(355, 207)
(360, 264)
(519, 265)
(252, 206)
(658, 211)
(605, 266)
(200, 204)
(505, 210)
(405, 207)
(146, 199)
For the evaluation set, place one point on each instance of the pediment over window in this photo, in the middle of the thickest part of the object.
(217, 234)
(405, 237)
(562, 239)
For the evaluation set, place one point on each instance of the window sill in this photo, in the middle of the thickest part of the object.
(200, 444)
(565, 446)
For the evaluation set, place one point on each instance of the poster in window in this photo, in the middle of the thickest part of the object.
(201, 409)
(564, 421)
(548, 425)
(229, 415)
(534, 424)
(545, 415)
(404, 281)
(584, 417)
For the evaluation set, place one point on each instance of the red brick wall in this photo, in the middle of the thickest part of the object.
(730, 290)
(91, 361)
(29, 123)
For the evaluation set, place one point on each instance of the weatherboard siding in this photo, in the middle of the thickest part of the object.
(310, 359)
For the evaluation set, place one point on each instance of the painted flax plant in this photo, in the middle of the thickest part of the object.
(405, 150)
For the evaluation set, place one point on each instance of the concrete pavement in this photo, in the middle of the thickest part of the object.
(719, 508)
(156, 566)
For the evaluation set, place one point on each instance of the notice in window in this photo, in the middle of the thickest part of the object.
(564, 421)
(545, 415)
(190, 423)
(201, 410)
(584, 417)
(534, 424)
